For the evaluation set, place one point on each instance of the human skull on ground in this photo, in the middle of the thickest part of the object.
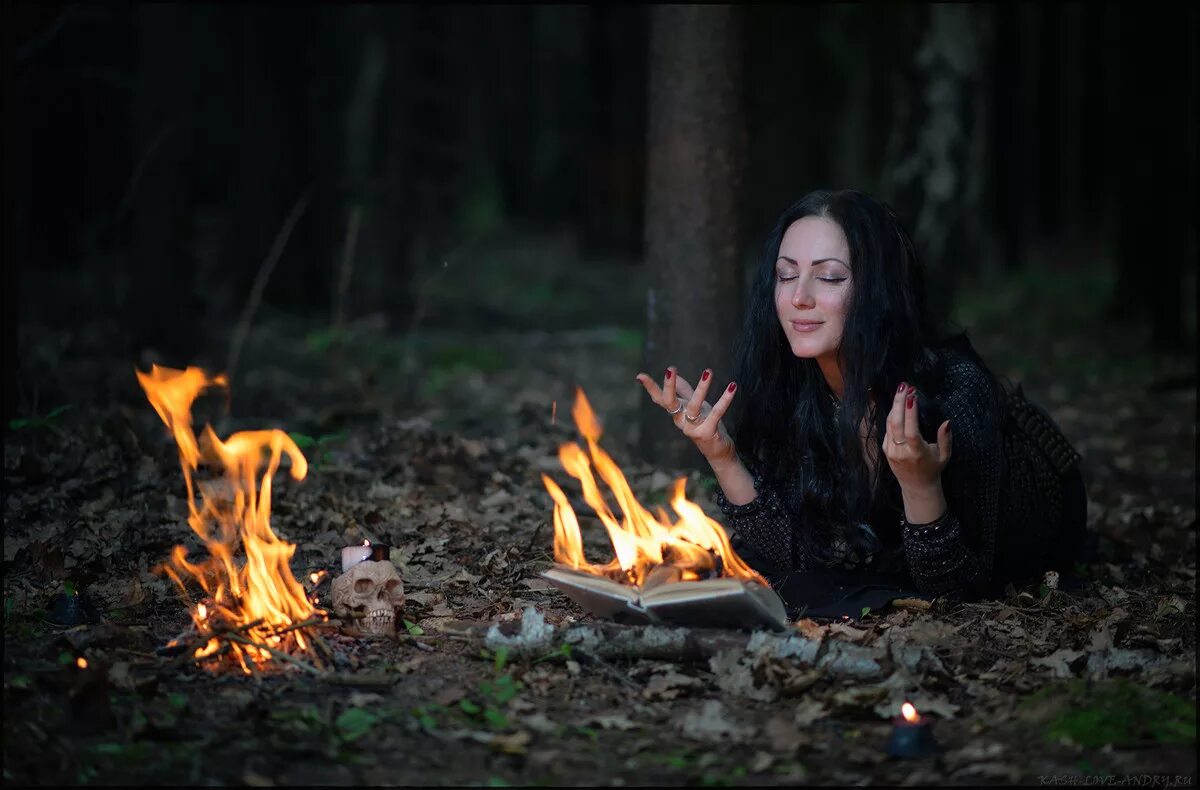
(371, 592)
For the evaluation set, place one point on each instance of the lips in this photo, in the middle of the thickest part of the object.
(806, 326)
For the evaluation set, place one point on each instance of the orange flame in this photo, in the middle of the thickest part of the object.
(909, 713)
(233, 510)
(694, 544)
(81, 662)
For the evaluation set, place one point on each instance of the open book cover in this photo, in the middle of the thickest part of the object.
(709, 603)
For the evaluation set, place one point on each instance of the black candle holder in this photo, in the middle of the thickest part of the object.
(911, 738)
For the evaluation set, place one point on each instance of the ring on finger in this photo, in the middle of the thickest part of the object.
(690, 418)
(679, 409)
(903, 441)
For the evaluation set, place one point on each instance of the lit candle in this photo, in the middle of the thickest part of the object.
(352, 555)
(911, 734)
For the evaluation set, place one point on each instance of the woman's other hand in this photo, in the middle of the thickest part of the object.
(916, 463)
(692, 415)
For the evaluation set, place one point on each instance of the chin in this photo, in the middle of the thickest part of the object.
(806, 350)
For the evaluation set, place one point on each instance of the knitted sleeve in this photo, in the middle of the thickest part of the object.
(954, 554)
(763, 530)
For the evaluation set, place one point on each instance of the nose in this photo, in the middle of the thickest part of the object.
(800, 295)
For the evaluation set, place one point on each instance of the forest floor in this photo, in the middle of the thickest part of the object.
(1045, 686)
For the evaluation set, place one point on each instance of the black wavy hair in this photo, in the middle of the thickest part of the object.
(787, 421)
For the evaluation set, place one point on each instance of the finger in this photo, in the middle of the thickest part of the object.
(895, 418)
(719, 408)
(945, 443)
(651, 387)
(668, 402)
(912, 432)
(682, 387)
(695, 403)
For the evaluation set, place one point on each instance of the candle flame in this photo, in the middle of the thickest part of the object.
(201, 611)
(81, 662)
(316, 577)
(366, 543)
(909, 713)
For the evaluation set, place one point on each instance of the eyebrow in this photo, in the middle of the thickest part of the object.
(794, 262)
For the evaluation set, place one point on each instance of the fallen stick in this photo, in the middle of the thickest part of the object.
(613, 641)
(242, 329)
(282, 656)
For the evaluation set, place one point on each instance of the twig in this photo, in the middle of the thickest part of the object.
(295, 626)
(260, 281)
(346, 267)
(606, 667)
(282, 656)
(239, 630)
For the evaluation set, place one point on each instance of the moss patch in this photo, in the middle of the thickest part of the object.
(1117, 712)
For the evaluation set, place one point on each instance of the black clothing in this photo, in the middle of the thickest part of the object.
(1015, 507)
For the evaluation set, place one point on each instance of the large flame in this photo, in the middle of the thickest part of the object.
(259, 596)
(694, 545)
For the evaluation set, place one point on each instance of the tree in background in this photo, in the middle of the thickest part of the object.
(939, 147)
(695, 151)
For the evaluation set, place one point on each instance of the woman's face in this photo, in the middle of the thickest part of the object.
(812, 286)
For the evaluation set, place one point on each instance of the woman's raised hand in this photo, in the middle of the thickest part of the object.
(691, 413)
(916, 463)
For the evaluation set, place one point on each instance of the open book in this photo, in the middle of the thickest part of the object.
(709, 603)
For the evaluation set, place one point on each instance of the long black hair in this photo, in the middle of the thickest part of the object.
(787, 421)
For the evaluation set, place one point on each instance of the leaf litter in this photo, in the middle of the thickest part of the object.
(93, 507)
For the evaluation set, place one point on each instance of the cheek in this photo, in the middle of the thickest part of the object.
(834, 305)
(782, 298)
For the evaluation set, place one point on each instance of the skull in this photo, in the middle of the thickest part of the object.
(371, 592)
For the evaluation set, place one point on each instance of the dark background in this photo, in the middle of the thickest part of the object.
(156, 154)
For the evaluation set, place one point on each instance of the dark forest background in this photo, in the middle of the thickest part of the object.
(179, 171)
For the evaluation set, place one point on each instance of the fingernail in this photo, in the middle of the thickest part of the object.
(901, 387)
(910, 401)
(705, 375)
(732, 386)
(669, 373)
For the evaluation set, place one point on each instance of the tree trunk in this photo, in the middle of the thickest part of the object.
(695, 148)
(938, 181)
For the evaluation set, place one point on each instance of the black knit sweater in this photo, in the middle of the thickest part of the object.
(1003, 485)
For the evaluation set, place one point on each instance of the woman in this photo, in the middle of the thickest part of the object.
(870, 450)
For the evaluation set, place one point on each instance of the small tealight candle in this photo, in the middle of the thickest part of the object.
(911, 734)
(352, 555)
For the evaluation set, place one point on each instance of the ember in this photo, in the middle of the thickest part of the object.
(649, 548)
(254, 610)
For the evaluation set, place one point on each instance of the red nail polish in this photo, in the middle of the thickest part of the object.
(901, 387)
(705, 376)
(732, 386)
(909, 402)
(669, 373)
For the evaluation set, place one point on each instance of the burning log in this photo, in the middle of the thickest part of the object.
(253, 610)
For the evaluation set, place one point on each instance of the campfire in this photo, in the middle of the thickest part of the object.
(252, 610)
(681, 569)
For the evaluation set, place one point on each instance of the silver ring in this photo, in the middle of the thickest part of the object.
(690, 418)
(896, 442)
(681, 405)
